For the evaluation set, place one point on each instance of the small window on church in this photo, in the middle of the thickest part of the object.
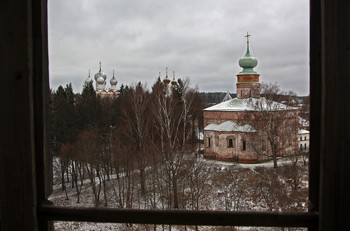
(244, 147)
(208, 142)
(230, 143)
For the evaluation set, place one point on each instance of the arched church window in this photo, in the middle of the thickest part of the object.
(244, 145)
(230, 142)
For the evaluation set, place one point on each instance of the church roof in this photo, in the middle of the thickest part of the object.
(302, 131)
(229, 126)
(227, 97)
(250, 104)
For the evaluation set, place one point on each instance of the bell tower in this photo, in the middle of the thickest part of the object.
(248, 80)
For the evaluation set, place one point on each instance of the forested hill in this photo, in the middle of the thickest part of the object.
(214, 97)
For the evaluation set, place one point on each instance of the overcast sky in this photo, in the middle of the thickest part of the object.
(201, 39)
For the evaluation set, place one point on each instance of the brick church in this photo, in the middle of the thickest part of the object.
(238, 129)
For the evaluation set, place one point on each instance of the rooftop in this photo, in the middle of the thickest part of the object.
(302, 131)
(250, 104)
(229, 126)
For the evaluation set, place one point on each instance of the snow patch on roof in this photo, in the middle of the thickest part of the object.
(227, 97)
(302, 131)
(229, 126)
(249, 104)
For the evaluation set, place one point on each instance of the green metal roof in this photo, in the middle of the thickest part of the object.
(248, 62)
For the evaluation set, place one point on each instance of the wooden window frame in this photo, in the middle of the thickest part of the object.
(24, 204)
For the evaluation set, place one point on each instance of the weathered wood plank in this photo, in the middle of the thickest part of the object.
(17, 178)
(335, 127)
(180, 217)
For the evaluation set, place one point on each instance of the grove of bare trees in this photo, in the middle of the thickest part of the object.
(141, 151)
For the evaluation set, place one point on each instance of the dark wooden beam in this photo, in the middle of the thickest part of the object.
(17, 174)
(335, 116)
(315, 102)
(43, 158)
(179, 217)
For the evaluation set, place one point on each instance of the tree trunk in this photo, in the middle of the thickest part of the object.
(176, 202)
(142, 181)
(274, 161)
(62, 176)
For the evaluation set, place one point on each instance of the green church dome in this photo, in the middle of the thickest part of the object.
(248, 62)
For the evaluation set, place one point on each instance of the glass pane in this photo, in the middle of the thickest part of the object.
(133, 138)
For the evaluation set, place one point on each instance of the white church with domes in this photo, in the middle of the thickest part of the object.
(101, 81)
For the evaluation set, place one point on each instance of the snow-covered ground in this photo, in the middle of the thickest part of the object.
(230, 186)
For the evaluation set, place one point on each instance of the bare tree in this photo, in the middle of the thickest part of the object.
(65, 153)
(76, 165)
(232, 184)
(275, 123)
(198, 179)
(90, 152)
(123, 162)
(136, 116)
(173, 118)
(271, 190)
(292, 172)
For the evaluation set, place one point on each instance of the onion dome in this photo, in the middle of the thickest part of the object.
(174, 81)
(100, 73)
(100, 80)
(248, 62)
(166, 80)
(88, 80)
(113, 81)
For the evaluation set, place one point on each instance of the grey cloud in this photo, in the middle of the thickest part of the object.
(200, 39)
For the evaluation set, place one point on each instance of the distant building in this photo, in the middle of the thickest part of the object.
(167, 81)
(303, 140)
(101, 81)
(231, 128)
